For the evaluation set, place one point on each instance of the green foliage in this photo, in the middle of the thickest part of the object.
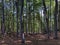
(34, 16)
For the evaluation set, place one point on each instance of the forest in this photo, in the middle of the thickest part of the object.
(29, 22)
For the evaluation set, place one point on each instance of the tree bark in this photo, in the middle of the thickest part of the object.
(55, 18)
(46, 18)
(3, 18)
(21, 22)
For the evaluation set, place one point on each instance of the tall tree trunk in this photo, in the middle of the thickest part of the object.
(33, 19)
(55, 18)
(59, 16)
(13, 17)
(17, 11)
(3, 20)
(26, 17)
(46, 18)
(50, 16)
(21, 21)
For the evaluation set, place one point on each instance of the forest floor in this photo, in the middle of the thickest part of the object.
(36, 39)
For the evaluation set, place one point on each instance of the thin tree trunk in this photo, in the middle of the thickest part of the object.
(13, 16)
(55, 18)
(3, 20)
(21, 22)
(17, 15)
(26, 18)
(33, 19)
(46, 18)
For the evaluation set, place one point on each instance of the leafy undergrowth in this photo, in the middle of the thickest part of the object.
(36, 39)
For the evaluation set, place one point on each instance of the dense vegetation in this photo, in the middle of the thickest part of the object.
(29, 16)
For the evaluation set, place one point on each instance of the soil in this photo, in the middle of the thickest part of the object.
(30, 39)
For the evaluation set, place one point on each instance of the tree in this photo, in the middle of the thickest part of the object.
(3, 18)
(46, 18)
(21, 22)
(55, 18)
(17, 11)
